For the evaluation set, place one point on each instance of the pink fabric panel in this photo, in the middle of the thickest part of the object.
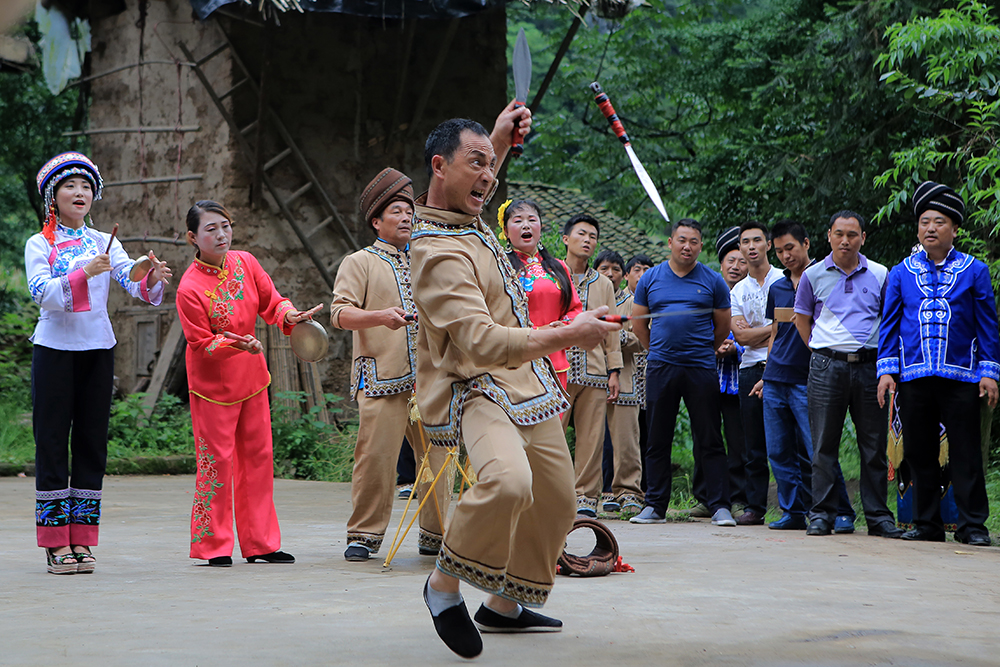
(81, 294)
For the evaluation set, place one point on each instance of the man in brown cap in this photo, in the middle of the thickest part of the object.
(372, 297)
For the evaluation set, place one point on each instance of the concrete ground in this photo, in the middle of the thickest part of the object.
(700, 595)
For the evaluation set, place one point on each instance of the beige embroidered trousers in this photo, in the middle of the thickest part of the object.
(623, 423)
(588, 410)
(383, 421)
(509, 529)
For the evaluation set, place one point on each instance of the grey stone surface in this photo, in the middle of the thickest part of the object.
(701, 595)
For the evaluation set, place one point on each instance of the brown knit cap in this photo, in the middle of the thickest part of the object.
(390, 185)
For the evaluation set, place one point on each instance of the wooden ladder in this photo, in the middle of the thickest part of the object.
(330, 215)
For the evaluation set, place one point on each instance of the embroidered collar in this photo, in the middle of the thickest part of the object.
(70, 232)
(922, 255)
(528, 259)
(388, 247)
(211, 270)
(450, 218)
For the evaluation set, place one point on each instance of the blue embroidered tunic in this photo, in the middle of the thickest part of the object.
(939, 320)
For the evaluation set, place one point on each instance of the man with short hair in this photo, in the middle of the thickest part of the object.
(837, 310)
(681, 365)
(938, 345)
(622, 431)
(727, 360)
(372, 297)
(594, 375)
(783, 390)
(482, 380)
(752, 330)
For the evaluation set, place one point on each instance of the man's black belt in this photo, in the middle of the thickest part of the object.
(862, 356)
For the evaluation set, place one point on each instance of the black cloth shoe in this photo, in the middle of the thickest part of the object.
(456, 629)
(885, 529)
(819, 527)
(527, 621)
(221, 561)
(273, 557)
(356, 553)
(428, 551)
(924, 535)
(975, 537)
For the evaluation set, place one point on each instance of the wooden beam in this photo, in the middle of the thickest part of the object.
(175, 336)
(128, 130)
(554, 67)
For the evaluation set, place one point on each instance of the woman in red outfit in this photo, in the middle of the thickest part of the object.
(552, 299)
(218, 300)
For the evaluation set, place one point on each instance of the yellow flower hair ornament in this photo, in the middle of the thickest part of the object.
(502, 235)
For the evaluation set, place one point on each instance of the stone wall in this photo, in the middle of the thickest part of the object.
(338, 84)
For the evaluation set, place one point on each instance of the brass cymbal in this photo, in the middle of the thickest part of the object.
(309, 341)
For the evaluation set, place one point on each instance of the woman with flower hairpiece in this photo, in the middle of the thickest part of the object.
(70, 267)
(552, 299)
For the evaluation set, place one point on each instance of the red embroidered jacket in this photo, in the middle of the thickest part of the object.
(211, 300)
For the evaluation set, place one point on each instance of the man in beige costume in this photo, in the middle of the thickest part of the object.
(483, 380)
(372, 297)
(623, 413)
(593, 375)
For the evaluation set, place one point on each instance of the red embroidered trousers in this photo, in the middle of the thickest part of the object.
(235, 472)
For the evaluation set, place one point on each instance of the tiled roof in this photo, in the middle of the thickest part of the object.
(560, 204)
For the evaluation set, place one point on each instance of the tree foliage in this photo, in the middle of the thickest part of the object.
(764, 109)
(32, 121)
(948, 68)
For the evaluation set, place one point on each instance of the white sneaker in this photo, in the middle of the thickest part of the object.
(649, 515)
(723, 517)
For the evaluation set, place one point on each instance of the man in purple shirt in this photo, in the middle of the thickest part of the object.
(837, 306)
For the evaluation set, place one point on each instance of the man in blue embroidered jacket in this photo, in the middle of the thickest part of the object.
(939, 343)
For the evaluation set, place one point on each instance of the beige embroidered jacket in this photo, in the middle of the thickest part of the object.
(474, 328)
(376, 278)
(590, 369)
(633, 375)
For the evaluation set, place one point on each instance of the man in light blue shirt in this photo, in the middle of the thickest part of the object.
(837, 310)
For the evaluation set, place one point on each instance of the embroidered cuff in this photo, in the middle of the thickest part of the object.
(219, 342)
(989, 369)
(887, 366)
(517, 343)
(283, 309)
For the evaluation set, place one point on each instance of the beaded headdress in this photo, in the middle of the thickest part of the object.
(56, 170)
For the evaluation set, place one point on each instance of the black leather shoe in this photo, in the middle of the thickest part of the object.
(924, 535)
(456, 629)
(273, 557)
(976, 538)
(221, 561)
(885, 529)
(819, 527)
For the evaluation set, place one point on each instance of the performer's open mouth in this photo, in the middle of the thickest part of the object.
(478, 195)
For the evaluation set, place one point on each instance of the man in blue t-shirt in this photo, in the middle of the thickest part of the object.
(692, 303)
(783, 389)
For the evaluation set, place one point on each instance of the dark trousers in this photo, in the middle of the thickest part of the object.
(923, 404)
(70, 392)
(732, 426)
(752, 412)
(607, 461)
(834, 389)
(406, 465)
(643, 445)
(666, 385)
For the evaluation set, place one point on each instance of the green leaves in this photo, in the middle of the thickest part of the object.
(949, 66)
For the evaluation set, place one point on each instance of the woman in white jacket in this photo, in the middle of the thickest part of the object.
(70, 267)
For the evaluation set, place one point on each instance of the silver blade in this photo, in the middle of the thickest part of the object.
(522, 68)
(647, 182)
